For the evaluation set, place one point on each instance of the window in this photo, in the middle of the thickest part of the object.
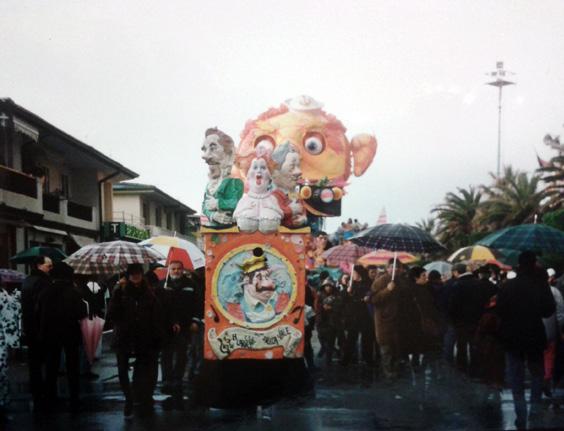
(169, 220)
(65, 185)
(146, 214)
(45, 179)
(158, 217)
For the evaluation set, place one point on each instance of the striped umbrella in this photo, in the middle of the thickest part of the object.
(473, 253)
(11, 276)
(110, 257)
(163, 245)
(382, 257)
(535, 237)
(344, 255)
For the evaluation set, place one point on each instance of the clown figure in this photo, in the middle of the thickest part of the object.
(258, 209)
(222, 192)
(285, 175)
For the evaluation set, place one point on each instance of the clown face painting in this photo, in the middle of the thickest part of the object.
(259, 291)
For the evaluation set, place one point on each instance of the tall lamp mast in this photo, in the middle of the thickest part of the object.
(500, 81)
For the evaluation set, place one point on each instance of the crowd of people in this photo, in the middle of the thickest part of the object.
(478, 322)
(150, 318)
(393, 320)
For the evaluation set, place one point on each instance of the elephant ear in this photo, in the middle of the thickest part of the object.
(363, 148)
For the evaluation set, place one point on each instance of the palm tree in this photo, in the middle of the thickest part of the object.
(514, 198)
(553, 175)
(457, 217)
(429, 225)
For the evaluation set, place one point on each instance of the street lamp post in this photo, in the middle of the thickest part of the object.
(500, 81)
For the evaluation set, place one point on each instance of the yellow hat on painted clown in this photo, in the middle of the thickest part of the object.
(254, 263)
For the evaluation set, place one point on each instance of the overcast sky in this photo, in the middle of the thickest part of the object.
(142, 80)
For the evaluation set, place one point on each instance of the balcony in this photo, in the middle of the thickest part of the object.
(20, 191)
(131, 219)
(51, 203)
(82, 212)
(18, 182)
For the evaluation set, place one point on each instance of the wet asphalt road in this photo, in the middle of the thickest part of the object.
(350, 398)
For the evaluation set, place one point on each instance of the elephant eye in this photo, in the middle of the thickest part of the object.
(314, 143)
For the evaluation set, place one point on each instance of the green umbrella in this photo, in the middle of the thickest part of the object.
(535, 237)
(27, 256)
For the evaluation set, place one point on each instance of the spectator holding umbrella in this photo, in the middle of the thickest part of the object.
(137, 317)
(522, 304)
(387, 298)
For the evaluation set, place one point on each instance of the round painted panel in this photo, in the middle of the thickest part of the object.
(254, 286)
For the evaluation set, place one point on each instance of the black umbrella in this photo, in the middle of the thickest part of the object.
(397, 237)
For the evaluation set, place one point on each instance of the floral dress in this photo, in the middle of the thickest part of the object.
(10, 311)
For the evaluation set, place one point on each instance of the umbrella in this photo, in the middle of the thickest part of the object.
(110, 257)
(444, 268)
(91, 328)
(535, 237)
(11, 276)
(163, 244)
(397, 237)
(382, 257)
(344, 255)
(473, 253)
(28, 256)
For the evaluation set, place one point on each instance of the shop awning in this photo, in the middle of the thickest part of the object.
(82, 240)
(49, 230)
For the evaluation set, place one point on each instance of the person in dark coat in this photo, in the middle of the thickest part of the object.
(465, 307)
(32, 286)
(138, 331)
(487, 288)
(60, 308)
(183, 307)
(329, 319)
(417, 305)
(522, 304)
(387, 299)
(356, 317)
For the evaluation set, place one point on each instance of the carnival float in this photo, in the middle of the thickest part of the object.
(261, 204)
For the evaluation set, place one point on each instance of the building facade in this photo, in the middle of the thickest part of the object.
(141, 211)
(54, 189)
